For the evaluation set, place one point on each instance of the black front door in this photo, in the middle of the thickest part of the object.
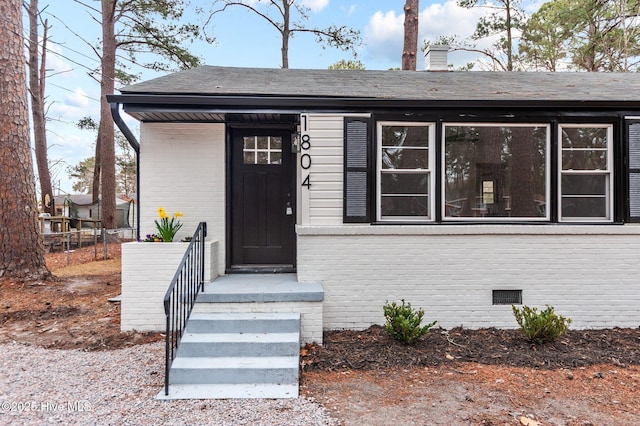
(262, 200)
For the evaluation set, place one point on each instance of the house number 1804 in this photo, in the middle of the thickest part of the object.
(305, 158)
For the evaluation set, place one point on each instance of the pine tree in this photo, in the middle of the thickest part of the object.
(21, 250)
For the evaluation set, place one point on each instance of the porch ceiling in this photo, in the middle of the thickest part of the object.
(209, 116)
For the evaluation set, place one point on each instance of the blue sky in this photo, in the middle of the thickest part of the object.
(242, 39)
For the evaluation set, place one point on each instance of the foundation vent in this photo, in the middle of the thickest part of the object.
(507, 297)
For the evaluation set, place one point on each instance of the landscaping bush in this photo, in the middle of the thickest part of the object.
(404, 323)
(540, 327)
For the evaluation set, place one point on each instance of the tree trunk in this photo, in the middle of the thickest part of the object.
(21, 251)
(286, 33)
(509, 28)
(411, 12)
(36, 87)
(97, 161)
(106, 132)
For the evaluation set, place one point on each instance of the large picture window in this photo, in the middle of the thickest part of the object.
(585, 175)
(405, 165)
(495, 171)
(500, 172)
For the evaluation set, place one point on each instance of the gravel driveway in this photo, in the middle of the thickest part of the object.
(118, 388)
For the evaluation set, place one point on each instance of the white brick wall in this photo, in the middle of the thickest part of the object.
(182, 168)
(310, 314)
(147, 271)
(588, 273)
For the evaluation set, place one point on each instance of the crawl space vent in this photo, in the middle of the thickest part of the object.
(507, 297)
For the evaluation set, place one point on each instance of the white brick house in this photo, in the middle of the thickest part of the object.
(461, 192)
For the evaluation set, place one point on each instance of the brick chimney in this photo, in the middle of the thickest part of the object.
(435, 58)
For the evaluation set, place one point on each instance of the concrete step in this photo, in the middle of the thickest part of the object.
(237, 355)
(243, 288)
(239, 344)
(234, 370)
(227, 391)
(239, 322)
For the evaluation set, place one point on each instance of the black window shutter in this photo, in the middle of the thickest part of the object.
(633, 133)
(357, 171)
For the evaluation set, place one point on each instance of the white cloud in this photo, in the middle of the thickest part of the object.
(449, 19)
(74, 144)
(65, 113)
(351, 10)
(56, 64)
(315, 5)
(383, 36)
(71, 112)
(77, 99)
(384, 32)
(532, 6)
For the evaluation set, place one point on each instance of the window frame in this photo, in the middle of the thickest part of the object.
(609, 173)
(256, 151)
(548, 173)
(430, 171)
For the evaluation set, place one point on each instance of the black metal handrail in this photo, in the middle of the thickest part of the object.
(187, 282)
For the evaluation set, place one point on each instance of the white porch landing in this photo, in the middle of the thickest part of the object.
(256, 288)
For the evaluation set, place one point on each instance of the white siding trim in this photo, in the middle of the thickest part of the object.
(322, 204)
(303, 192)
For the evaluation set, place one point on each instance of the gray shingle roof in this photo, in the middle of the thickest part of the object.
(409, 85)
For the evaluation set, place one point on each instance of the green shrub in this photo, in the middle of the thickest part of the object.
(403, 322)
(540, 327)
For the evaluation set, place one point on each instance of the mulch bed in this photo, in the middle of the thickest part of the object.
(374, 349)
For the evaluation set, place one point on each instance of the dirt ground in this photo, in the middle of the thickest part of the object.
(73, 311)
(477, 377)
(451, 377)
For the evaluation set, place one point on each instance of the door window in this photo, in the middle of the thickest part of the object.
(262, 149)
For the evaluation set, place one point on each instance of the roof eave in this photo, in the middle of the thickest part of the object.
(234, 103)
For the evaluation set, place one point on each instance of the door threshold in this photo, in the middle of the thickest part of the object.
(261, 269)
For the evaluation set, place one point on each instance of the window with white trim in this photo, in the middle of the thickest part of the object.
(495, 170)
(405, 171)
(491, 171)
(586, 182)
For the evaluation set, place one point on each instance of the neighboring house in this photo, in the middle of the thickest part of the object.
(81, 206)
(461, 192)
(74, 205)
(125, 212)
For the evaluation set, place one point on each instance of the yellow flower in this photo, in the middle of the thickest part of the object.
(167, 226)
